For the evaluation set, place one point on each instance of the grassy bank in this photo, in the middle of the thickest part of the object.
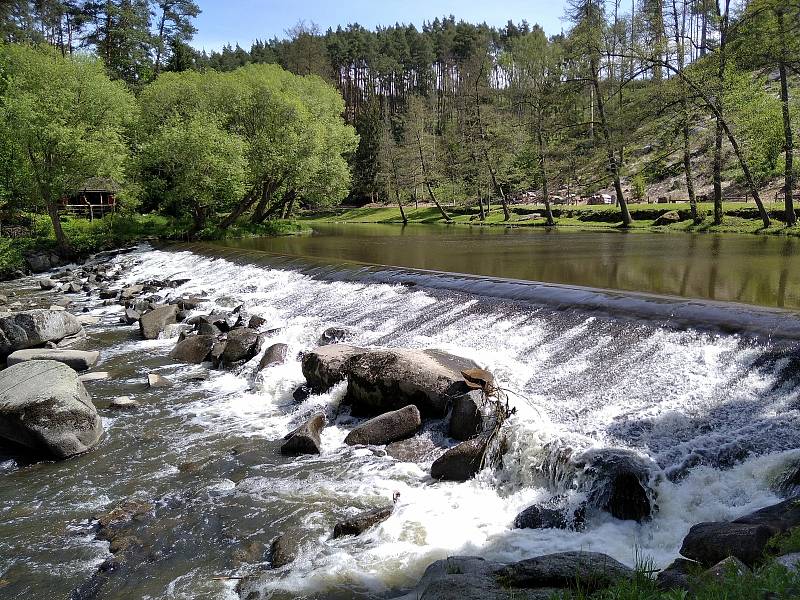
(88, 237)
(742, 218)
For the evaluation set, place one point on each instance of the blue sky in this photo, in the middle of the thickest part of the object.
(242, 21)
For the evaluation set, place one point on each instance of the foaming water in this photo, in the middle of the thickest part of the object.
(716, 414)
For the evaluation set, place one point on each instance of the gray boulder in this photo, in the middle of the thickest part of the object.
(386, 428)
(274, 355)
(589, 570)
(335, 335)
(466, 418)
(80, 360)
(678, 575)
(306, 438)
(152, 324)
(47, 284)
(241, 345)
(541, 517)
(34, 328)
(44, 408)
(744, 538)
(285, 548)
(131, 316)
(416, 450)
(325, 367)
(668, 218)
(362, 521)
(154, 380)
(194, 349)
(461, 462)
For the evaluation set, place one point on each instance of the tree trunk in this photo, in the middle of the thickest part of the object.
(160, 43)
(289, 204)
(427, 181)
(791, 218)
(612, 160)
(400, 205)
(62, 243)
(242, 207)
(545, 186)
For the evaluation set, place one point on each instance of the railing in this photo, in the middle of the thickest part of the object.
(89, 210)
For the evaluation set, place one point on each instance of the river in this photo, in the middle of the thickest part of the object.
(716, 411)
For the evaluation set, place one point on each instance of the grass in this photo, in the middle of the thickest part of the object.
(738, 218)
(114, 231)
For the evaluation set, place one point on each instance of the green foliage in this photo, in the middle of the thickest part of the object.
(785, 543)
(639, 187)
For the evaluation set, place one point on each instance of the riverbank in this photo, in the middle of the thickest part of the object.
(742, 218)
(34, 250)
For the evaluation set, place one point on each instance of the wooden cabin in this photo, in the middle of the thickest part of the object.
(95, 198)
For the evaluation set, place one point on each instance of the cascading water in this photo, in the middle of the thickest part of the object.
(715, 416)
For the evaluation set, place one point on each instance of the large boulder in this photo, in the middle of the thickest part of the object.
(386, 428)
(193, 349)
(241, 345)
(284, 549)
(744, 538)
(384, 379)
(541, 517)
(80, 360)
(35, 328)
(306, 438)
(362, 521)
(540, 578)
(153, 323)
(461, 462)
(325, 367)
(589, 570)
(45, 408)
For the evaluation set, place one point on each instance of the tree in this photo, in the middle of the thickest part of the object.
(175, 27)
(64, 121)
(196, 168)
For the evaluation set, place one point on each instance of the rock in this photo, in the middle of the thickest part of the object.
(131, 316)
(787, 484)
(88, 320)
(301, 394)
(39, 262)
(730, 566)
(190, 303)
(540, 517)
(414, 450)
(335, 335)
(208, 329)
(463, 578)
(153, 323)
(47, 284)
(194, 349)
(56, 307)
(744, 538)
(130, 291)
(466, 418)
(380, 380)
(216, 352)
(677, 575)
(590, 571)
(668, 218)
(284, 549)
(240, 345)
(274, 355)
(154, 380)
(80, 360)
(123, 403)
(256, 322)
(790, 561)
(362, 521)
(386, 428)
(45, 408)
(461, 462)
(325, 367)
(107, 293)
(34, 328)
(306, 438)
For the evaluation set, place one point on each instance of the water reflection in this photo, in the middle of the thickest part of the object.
(749, 269)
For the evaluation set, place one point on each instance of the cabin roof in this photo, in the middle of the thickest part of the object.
(99, 184)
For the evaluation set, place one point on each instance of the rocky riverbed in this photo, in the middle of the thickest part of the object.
(176, 425)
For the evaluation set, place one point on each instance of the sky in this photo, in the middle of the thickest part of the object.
(242, 21)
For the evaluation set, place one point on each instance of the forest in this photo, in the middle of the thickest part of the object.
(678, 101)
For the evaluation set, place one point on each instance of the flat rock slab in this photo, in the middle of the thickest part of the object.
(31, 328)
(43, 407)
(80, 360)
(362, 521)
(153, 323)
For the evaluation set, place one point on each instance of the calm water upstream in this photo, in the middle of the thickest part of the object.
(738, 268)
(717, 413)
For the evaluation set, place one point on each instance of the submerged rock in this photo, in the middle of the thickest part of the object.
(306, 438)
(123, 402)
(416, 450)
(386, 428)
(35, 327)
(154, 380)
(44, 408)
(284, 549)
(335, 335)
(80, 360)
(362, 521)
(541, 517)
(153, 323)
